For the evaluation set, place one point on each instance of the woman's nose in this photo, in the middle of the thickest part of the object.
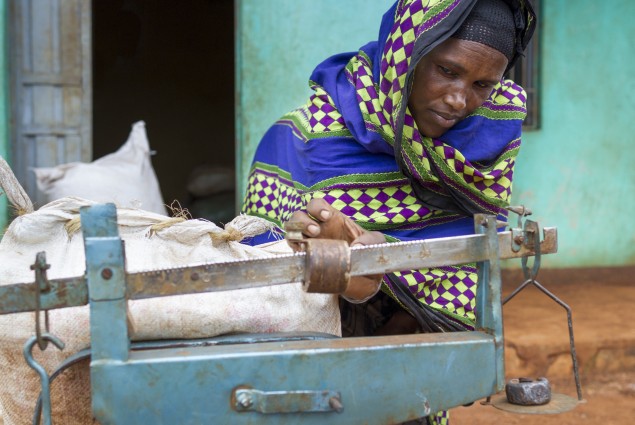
(456, 99)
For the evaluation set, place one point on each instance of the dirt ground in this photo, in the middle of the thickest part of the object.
(609, 400)
(537, 344)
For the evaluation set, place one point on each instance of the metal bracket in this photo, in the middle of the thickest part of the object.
(328, 266)
(519, 236)
(245, 399)
(41, 286)
(294, 232)
(328, 262)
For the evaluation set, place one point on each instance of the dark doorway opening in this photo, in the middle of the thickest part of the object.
(170, 64)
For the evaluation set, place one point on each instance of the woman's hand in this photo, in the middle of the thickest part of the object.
(322, 221)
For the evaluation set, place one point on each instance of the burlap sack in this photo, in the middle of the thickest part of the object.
(125, 177)
(152, 241)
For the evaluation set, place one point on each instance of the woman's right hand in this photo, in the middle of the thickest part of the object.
(322, 221)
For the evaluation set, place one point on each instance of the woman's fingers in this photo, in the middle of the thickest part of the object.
(369, 238)
(333, 224)
(321, 220)
(303, 222)
(321, 210)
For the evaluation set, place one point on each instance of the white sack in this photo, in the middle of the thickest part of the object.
(125, 177)
(269, 309)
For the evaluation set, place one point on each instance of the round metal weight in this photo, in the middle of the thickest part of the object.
(559, 403)
(328, 266)
(527, 392)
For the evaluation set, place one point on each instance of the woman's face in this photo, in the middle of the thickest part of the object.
(451, 81)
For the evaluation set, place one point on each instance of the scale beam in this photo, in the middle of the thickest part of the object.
(274, 270)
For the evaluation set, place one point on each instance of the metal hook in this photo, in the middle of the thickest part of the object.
(532, 230)
(41, 285)
(44, 378)
(532, 235)
(521, 211)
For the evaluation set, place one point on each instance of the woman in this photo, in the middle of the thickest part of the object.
(406, 139)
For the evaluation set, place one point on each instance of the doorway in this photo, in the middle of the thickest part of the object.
(170, 64)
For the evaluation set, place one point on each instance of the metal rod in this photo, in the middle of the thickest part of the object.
(44, 378)
(564, 305)
(269, 271)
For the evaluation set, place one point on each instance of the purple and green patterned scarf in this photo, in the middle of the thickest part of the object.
(356, 145)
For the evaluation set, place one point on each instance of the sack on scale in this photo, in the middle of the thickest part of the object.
(152, 241)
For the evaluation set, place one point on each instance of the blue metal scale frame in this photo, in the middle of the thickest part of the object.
(277, 378)
(373, 380)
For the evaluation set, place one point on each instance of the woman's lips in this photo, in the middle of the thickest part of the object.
(445, 120)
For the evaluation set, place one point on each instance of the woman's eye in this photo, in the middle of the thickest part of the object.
(482, 85)
(445, 70)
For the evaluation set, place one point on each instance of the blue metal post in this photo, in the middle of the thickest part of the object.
(106, 283)
(489, 316)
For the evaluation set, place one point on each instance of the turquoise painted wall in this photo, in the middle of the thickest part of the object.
(575, 172)
(278, 43)
(4, 104)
